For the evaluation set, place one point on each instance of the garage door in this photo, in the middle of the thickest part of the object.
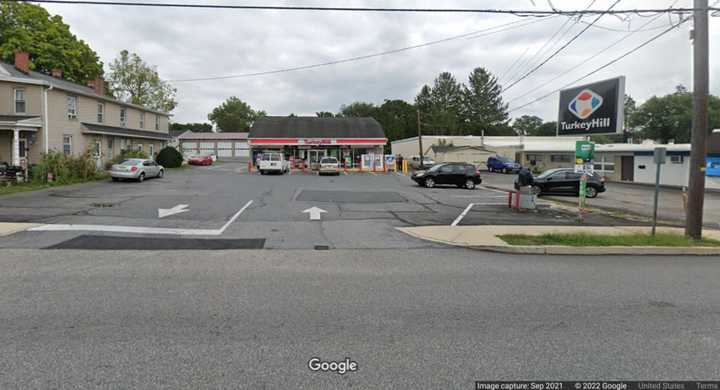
(242, 149)
(207, 148)
(190, 147)
(224, 149)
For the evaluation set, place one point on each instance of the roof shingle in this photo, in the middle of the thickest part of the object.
(315, 127)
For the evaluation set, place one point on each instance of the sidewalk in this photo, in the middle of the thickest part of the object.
(8, 228)
(485, 237)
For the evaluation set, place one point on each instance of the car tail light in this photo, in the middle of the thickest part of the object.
(477, 173)
(133, 169)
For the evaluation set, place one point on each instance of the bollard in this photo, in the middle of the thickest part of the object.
(249, 166)
(517, 200)
(510, 199)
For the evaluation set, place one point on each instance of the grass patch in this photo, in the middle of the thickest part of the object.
(35, 186)
(583, 239)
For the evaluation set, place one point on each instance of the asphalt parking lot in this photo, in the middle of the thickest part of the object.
(225, 207)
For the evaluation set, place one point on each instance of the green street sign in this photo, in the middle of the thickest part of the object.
(584, 150)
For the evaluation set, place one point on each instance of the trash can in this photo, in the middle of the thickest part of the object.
(527, 198)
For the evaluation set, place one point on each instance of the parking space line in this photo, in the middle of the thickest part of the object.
(462, 215)
(141, 229)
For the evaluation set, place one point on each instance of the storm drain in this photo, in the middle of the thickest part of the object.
(322, 247)
(97, 242)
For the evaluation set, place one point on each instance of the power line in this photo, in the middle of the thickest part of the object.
(587, 60)
(550, 43)
(474, 34)
(636, 48)
(515, 12)
(556, 52)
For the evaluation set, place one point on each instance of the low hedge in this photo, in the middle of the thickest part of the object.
(169, 157)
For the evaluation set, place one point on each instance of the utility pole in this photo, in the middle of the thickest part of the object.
(700, 125)
(419, 126)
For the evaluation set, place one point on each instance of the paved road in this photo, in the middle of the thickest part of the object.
(632, 198)
(430, 318)
(362, 210)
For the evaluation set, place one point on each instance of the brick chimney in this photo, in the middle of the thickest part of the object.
(57, 73)
(98, 85)
(22, 61)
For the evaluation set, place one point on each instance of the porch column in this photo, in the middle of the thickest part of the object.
(16, 147)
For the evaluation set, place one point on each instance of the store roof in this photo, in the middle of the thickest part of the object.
(190, 135)
(315, 127)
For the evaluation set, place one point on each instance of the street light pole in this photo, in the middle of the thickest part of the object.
(700, 126)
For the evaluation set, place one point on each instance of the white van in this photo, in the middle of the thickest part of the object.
(273, 162)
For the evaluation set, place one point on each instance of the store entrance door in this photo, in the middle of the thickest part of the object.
(315, 156)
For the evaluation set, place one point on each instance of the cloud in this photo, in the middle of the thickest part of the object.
(190, 43)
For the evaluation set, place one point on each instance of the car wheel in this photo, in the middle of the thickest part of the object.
(141, 178)
(161, 174)
(429, 183)
(591, 192)
(536, 190)
(469, 184)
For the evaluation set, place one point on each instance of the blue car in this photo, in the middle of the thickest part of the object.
(502, 164)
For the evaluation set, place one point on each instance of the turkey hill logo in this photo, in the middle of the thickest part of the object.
(585, 103)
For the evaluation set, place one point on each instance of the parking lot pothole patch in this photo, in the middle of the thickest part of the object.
(98, 242)
(101, 204)
(333, 196)
(322, 247)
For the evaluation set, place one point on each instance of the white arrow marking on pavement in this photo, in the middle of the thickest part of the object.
(181, 208)
(141, 229)
(314, 213)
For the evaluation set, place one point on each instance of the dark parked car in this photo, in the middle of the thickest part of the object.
(502, 164)
(460, 174)
(565, 181)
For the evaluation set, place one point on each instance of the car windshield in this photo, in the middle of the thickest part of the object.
(436, 167)
(329, 160)
(131, 162)
(548, 173)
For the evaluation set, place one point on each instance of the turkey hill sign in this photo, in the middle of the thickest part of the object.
(595, 108)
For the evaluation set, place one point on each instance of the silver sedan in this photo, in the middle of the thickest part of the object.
(136, 169)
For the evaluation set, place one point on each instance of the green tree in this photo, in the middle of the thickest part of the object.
(446, 99)
(527, 125)
(548, 129)
(325, 114)
(398, 118)
(669, 117)
(357, 109)
(197, 127)
(133, 81)
(28, 27)
(483, 106)
(234, 115)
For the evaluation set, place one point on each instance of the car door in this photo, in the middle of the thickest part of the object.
(459, 174)
(555, 182)
(572, 181)
(444, 174)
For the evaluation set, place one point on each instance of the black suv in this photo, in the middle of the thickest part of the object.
(460, 174)
(566, 181)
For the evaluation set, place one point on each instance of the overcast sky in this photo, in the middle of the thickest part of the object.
(192, 43)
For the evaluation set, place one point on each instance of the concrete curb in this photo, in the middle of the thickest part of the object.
(568, 250)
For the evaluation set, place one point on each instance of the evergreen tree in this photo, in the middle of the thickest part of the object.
(483, 106)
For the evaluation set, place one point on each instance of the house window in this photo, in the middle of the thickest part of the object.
(123, 117)
(676, 159)
(20, 101)
(142, 120)
(72, 110)
(157, 122)
(67, 145)
(560, 158)
(22, 146)
(138, 147)
(152, 151)
(100, 112)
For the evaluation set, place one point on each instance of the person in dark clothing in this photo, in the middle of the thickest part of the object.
(525, 177)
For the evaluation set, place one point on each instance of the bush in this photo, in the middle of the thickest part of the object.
(169, 157)
(66, 169)
(124, 155)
